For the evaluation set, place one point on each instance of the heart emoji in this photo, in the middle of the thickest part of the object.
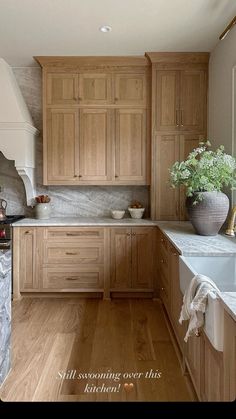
(128, 387)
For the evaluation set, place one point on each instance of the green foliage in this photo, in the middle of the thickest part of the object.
(204, 170)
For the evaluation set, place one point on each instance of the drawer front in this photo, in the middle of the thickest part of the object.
(70, 279)
(73, 233)
(81, 253)
(165, 293)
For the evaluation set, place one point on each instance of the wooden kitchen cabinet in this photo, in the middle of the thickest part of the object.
(130, 146)
(95, 89)
(193, 360)
(95, 118)
(169, 148)
(181, 98)
(61, 89)
(132, 258)
(229, 358)
(179, 120)
(28, 270)
(61, 150)
(212, 372)
(130, 89)
(95, 145)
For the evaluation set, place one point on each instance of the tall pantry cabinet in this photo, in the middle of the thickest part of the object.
(179, 122)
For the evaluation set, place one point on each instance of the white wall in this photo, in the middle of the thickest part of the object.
(222, 61)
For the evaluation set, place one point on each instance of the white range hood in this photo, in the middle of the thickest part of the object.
(17, 132)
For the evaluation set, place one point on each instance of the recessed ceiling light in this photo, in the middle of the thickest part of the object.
(105, 28)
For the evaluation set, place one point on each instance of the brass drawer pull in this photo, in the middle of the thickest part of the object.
(162, 289)
(28, 232)
(72, 278)
(162, 261)
(71, 253)
(162, 240)
(73, 234)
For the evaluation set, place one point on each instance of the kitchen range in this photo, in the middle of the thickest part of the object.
(5, 291)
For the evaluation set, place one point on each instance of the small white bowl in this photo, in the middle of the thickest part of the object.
(117, 214)
(136, 212)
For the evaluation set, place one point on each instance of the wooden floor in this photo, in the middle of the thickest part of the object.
(111, 340)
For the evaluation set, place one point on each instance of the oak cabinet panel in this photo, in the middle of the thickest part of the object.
(132, 258)
(212, 372)
(28, 262)
(142, 257)
(95, 89)
(167, 101)
(121, 258)
(180, 100)
(130, 89)
(95, 144)
(130, 145)
(61, 147)
(193, 100)
(68, 279)
(167, 198)
(62, 89)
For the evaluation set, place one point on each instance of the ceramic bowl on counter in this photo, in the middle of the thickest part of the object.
(136, 212)
(117, 214)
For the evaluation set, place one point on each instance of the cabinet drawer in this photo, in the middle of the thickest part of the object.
(67, 278)
(165, 293)
(79, 253)
(73, 233)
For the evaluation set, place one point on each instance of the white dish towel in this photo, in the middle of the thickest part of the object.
(195, 302)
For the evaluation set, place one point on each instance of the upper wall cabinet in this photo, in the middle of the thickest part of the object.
(130, 89)
(180, 98)
(95, 89)
(96, 120)
(61, 89)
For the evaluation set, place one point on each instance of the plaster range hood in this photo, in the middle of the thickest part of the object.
(17, 132)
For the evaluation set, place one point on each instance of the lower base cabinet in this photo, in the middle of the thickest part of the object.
(212, 373)
(83, 259)
(132, 251)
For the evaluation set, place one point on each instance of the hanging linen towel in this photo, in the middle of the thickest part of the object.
(195, 303)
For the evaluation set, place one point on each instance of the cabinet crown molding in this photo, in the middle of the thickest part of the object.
(98, 61)
(178, 57)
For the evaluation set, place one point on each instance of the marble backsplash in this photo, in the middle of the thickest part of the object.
(66, 200)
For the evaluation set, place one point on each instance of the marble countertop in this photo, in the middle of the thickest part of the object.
(183, 237)
(180, 233)
(229, 302)
(83, 222)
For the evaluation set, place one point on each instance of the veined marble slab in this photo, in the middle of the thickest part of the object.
(83, 222)
(188, 243)
(5, 313)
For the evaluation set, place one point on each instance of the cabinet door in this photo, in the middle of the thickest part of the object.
(166, 112)
(62, 89)
(193, 100)
(95, 145)
(94, 89)
(176, 295)
(130, 89)
(142, 257)
(212, 373)
(193, 360)
(187, 144)
(130, 146)
(62, 141)
(121, 258)
(167, 198)
(27, 266)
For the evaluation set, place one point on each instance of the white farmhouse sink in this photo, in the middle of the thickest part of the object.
(221, 270)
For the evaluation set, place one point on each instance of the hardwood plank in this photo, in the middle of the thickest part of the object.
(48, 386)
(127, 338)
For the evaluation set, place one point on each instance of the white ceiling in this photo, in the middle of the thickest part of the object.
(70, 27)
